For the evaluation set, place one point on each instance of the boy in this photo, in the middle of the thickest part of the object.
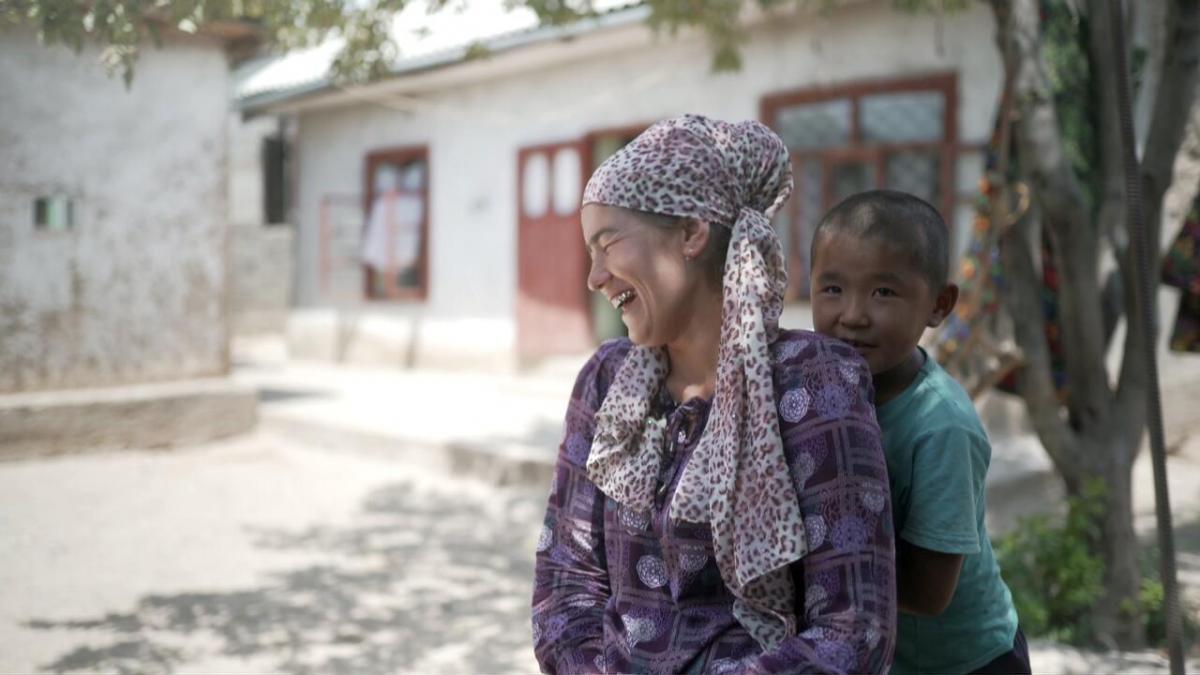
(879, 279)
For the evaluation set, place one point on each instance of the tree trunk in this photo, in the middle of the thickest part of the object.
(1088, 442)
(1094, 451)
(1118, 621)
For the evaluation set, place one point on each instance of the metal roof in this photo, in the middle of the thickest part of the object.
(426, 40)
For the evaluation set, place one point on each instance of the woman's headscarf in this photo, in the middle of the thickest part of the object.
(737, 481)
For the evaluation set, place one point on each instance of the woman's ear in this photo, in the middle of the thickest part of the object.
(695, 237)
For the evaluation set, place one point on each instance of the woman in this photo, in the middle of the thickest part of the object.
(720, 501)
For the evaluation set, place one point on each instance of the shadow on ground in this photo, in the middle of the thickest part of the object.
(275, 395)
(420, 583)
(429, 583)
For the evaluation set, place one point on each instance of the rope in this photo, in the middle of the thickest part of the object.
(1146, 300)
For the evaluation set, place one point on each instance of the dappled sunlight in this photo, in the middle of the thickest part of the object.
(425, 584)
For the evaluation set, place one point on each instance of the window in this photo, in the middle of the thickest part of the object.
(535, 185)
(275, 172)
(54, 213)
(897, 134)
(395, 235)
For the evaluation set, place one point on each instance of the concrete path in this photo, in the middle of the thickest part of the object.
(504, 429)
(265, 555)
(379, 522)
(258, 555)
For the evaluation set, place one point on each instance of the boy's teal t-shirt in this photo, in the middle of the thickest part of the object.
(938, 455)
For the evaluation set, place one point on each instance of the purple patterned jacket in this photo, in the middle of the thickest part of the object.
(622, 591)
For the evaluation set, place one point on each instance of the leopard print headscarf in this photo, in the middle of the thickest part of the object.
(737, 481)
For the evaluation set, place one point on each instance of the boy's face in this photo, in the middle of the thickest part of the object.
(869, 294)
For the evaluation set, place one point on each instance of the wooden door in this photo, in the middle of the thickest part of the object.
(553, 313)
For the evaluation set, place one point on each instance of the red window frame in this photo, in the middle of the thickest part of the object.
(858, 150)
(392, 290)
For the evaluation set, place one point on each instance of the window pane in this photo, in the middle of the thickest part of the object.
(412, 176)
(971, 165)
(815, 125)
(535, 189)
(274, 174)
(55, 213)
(905, 116)
(783, 229)
(567, 181)
(812, 207)
(392, 243)
(852, 178)
(917, 172)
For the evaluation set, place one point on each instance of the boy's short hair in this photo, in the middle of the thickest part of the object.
(900, 219)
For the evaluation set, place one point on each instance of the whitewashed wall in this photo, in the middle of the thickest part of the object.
(473, 134)
(137, 291)
(261, 254)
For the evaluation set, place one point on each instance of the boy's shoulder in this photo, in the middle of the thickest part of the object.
(936, 402)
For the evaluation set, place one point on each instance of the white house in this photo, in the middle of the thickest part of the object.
(437, 211)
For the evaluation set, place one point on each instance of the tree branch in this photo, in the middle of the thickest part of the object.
(1021, 292)
(1022, 297)
(1149, 34)
(1112, 213)
(1111, 200)
(1065, 215)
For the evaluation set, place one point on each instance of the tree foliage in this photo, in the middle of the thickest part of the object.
(123, 27)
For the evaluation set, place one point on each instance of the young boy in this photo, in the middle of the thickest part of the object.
(879, 279)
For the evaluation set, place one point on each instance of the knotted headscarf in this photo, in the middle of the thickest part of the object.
(737, 480)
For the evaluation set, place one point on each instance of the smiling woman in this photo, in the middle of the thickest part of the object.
(635, 265)
(720, 501)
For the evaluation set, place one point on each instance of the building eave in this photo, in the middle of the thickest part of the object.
(499, 53)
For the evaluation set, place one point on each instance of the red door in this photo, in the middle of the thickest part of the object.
(552, 296)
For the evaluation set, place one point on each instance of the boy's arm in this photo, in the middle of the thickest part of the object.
(941, 526)
(925, 579)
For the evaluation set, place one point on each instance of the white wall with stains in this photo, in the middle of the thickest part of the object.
(136, 290)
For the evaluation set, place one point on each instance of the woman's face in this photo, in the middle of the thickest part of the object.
(641, 269)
